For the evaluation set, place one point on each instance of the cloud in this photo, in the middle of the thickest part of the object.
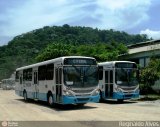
(4, 39)
(104, 14)
(151, 33)
(124, 14)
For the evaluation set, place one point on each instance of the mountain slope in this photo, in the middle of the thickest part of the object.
(23, 49)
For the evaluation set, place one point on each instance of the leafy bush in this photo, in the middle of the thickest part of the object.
(149, 75)
(100, 51)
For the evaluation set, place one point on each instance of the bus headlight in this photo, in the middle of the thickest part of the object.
(137, 90)
(96, 92)
(67, 93)
(118, 90)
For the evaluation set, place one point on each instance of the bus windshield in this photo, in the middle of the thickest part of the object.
(126, 76)
(80, 76)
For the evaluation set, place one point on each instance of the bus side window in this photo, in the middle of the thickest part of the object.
(42, 72)
(100, 72)
(17, 76)
(27, 74)
(50, 72)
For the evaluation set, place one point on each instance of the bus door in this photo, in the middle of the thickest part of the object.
(21, 83)
(58, 91)
(35, 73)
(109, 83)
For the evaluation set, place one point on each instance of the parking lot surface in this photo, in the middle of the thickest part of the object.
(13, 108)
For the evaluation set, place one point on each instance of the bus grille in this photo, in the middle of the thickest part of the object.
(82, 91)
(82, 99)
(128, 88)
(128, 96)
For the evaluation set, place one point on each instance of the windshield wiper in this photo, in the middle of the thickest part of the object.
(81, 76)
(126, 75)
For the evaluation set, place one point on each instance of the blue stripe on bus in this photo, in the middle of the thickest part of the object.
(40, 96)
(76, 100)
(119, 95)
(66, 99)
(31, 95)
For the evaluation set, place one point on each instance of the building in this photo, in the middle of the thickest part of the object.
(141, 54)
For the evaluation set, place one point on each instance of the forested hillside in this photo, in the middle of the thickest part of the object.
(50, 42)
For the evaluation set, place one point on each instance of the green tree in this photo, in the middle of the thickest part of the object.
(100, 51)
(53, 51)
(23, 49)
(150, 74)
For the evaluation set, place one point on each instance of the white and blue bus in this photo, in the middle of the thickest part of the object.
(64, 80)
(118, 80)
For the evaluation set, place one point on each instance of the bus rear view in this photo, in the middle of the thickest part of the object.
(118, 80)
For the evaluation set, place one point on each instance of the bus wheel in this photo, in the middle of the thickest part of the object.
(120, 100)
(25, 95)
(50, 100)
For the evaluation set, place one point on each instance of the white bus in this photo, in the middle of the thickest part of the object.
(64, 80)
(118, 80)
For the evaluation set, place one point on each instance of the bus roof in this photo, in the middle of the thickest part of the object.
(7, 79)
(51, 61)
(113, 62)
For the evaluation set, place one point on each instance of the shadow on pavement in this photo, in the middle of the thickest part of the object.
(58, 107)
(117, 102)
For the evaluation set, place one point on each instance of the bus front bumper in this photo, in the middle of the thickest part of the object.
(80, 99)
(119, 95)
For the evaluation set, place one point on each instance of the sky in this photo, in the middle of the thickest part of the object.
(132, 16)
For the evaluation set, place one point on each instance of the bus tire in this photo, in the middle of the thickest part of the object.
(50, 100)
(25, 96)
(120, 100)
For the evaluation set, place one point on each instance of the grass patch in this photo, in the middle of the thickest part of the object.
(149, 97)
